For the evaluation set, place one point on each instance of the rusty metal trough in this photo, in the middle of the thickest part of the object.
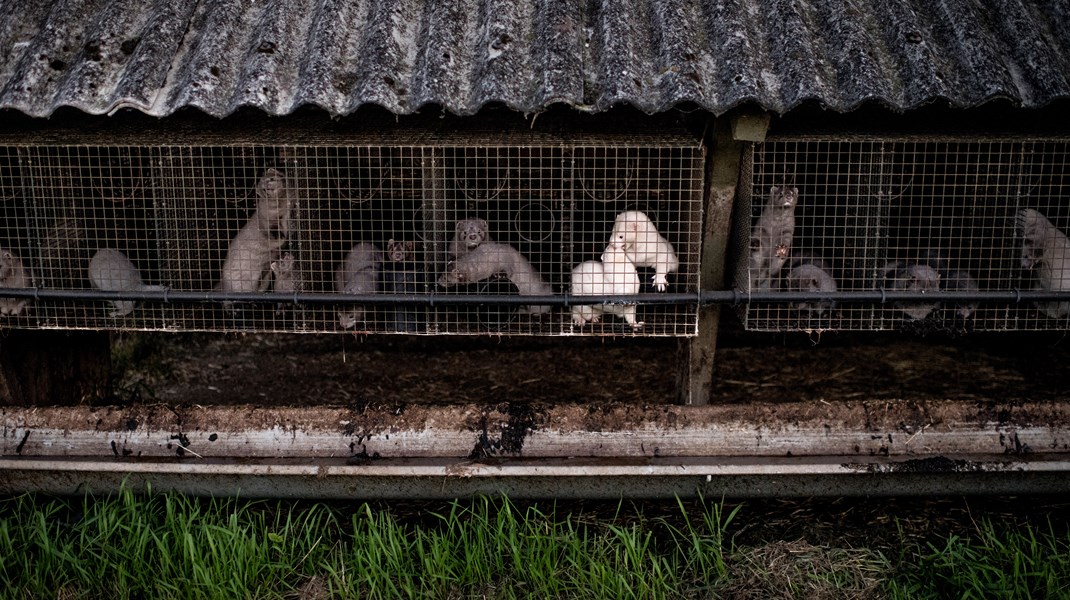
(858, 448)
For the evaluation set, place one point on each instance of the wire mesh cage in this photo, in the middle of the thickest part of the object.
(263, 236)
(904, 215)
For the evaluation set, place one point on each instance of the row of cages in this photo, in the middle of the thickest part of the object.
(904, 215)
(817, 215)
(421, 221)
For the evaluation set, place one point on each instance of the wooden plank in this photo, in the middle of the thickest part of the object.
(695, 355)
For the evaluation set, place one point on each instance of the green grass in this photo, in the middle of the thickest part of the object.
(994, 562)
(175, 547)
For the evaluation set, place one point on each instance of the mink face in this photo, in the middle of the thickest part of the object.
(811, 277)
(400, 251)
(10, 268)
(468, 235)
(275, 203)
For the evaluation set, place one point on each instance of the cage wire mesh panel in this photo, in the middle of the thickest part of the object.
(15, 243)
(916, 215)
(323, 219)
(84, 205)
(533, 215)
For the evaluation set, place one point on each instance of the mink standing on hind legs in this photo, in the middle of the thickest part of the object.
(645, 247)
(771, 238)
(1046, 251)
(13, 275)
(247, 266)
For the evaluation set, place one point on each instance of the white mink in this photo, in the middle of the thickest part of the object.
(614, 275)
(468, 235)
(645, 246)
(810, 275)
(247, 267)
(111, 271)
(912, 277)
(489, 259)
(772, 236)
(1045, 250)
(358, 273)
(13, 275)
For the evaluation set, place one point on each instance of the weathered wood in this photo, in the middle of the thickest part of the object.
(43, 368)
(750, 126)
(696, 355)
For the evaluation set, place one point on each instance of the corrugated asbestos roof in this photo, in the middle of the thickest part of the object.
(159, 56)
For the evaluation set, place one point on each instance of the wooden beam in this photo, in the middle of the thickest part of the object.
(696, 355)
(750, 126)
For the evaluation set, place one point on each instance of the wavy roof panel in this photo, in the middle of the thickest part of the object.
(159, 56)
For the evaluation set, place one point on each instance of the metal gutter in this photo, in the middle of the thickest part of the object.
(647, 478)
(567, 450)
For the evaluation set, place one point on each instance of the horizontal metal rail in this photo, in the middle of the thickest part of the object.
(650, 478)
(702, 298)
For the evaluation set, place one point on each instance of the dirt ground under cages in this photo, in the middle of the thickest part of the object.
(297, 370)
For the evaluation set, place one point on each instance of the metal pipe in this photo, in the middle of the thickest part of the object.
(705, 297)
(650, 478)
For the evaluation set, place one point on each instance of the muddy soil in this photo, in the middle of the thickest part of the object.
(280, 370)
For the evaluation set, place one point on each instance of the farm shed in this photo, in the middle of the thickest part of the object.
(919, 147)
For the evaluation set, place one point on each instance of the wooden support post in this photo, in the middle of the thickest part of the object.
(47, 368)
(695, 355)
